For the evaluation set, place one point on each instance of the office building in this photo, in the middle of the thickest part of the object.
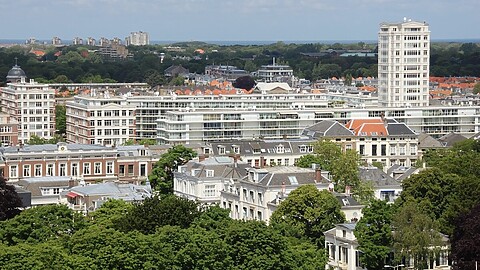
(403, 64)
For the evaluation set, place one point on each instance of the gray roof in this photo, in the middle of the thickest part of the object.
(288, 175)
(261, 147)
(427, 141)
(34, 184)
(327, 128)
(111, 189)
(16, 73)
(52, 148)
(377, 177)
(400, 173)
(222, 167)
(450, 139)
(399, 129)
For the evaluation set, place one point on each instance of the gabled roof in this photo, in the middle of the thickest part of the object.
(377, 177)
(450, 139)
(327, 128)
(288, 176)
(399, 129)
(427, 141)
(263, 86)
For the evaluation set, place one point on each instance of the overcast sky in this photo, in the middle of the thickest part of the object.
(238, 20)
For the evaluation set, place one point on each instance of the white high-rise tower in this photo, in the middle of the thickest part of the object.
(403, 64)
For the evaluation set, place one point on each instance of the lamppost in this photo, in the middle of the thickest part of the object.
(394, 267)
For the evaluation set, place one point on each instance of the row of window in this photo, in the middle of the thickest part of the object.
(62, 169)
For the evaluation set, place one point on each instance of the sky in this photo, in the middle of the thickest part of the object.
(233, 20)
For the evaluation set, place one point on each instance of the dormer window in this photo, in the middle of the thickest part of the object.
(280, 149)
(236, 149)
(209, 173)
(221, 150)
(303, 148)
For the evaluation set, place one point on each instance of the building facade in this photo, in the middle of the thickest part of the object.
(103, 119)
(30, 105)
(137, 39)
(403, 64)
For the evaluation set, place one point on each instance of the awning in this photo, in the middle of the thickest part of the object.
(72, 194)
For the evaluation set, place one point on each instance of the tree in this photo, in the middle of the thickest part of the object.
(161, 176)
(374, 234)
(111, 213)
(40, 224)
(61, 119)
(345, 170)
(476, 89)
(306, 161)
(309, 211)
(177, 81)
(156, 212)
(147, 142)
(327, 153)
(433, 188)
(415, 235)
(36, 140)
(465, 241)
(244, 82)
(10, 202)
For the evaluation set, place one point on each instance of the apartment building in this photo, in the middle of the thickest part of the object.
(137, 39)
(30, 105)
(100, 119)
(8, 130)
(403, 64)
(275, 73)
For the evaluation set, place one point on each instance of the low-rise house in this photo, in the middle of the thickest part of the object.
(385, 187)
(45, 190)
(250, 193)
(91, 197)
(375, 139)
(342, 248)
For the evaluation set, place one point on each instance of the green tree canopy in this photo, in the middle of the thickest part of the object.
(61, 119)
(374, 234)
(160, 211)
(10, 202)
(415, 235)
(161, 176)
(465, 240)
(309, 212)
(41, 223)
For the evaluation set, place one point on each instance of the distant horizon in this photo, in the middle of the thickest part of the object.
(243, 42)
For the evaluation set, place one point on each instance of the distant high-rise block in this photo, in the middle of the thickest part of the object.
(403, 64)
(137, 39)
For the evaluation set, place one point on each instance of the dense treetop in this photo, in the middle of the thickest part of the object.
(82, 64)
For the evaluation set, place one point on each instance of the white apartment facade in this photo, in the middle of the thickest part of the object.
(275, 73)
(32, 106)
(403, 64)
(137, 39)
(173, 119)
(105, 120)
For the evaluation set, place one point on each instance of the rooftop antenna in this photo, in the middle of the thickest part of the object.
(16, 61)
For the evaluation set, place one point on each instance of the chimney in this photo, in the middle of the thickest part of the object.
(201, 157)
(318, 175)
(283, 188)
(71, 183)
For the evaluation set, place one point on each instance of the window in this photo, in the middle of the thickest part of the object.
(130, 169)
(143, 169)
(374, 150)
(13, 171)
(98, 168)
(51, 169)
(86, 168)
(221, 150)
(26, 170)
(121, 170)
(62, 169)
(38, 169)
(209, 173)
(109, 167)
(362, 149)
(383, 149)
(260, 198)
(209, 190)
(74, 169)
(393, 149)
